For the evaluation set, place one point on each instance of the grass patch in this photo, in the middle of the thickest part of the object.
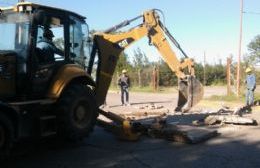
(232, 97)
(228, 98)
(257, 96)
(219, 104)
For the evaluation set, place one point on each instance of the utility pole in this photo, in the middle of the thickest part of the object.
(239, 48)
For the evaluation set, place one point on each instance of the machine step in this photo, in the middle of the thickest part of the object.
(48, 125)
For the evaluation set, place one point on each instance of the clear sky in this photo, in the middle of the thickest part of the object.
(198, 25)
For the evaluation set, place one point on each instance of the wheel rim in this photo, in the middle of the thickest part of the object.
(81, 117)
(2, 136)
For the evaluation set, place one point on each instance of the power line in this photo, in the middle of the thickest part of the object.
(253, 13)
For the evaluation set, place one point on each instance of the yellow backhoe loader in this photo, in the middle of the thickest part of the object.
(108, 46)
(46, 86)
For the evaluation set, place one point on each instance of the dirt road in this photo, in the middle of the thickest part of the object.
(236, 146)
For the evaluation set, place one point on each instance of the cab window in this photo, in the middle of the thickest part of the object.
(50, 41)
(79, 51)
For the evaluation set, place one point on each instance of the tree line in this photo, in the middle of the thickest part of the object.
(141, 69)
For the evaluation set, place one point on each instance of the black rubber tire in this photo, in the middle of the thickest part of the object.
(6, 136)
(77, 112)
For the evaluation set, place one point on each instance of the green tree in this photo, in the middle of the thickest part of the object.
(140, 59)
(215, 74)
(166, 76)
(141, 64)
(254, 51)
(123, 63)
(199, 71)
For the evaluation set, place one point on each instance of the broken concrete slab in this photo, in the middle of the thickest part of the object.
(183, 133)
(173, 131)
(193, 134)
(234, 119)
(226, 119)
(157, 128)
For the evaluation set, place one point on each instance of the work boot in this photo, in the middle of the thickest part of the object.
(248, 110)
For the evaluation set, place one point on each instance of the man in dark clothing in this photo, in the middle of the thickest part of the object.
(47, 47)
(124, 83)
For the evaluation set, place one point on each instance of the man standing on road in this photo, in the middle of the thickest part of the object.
(250, 86)
(124, 83)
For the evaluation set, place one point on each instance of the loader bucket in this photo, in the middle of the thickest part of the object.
(190, 93)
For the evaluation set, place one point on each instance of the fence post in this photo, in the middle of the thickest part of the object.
(155, 78)
(139, 78)
(228, 76)
(158, 77)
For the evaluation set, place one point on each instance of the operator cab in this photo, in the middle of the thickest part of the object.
(26, 68)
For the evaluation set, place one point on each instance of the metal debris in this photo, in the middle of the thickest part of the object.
(121, 127)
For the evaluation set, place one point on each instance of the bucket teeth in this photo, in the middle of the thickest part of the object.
(190, 93)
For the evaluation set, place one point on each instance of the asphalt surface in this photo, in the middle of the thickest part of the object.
(236, 146)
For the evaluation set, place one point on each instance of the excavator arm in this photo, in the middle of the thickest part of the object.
(108, 46)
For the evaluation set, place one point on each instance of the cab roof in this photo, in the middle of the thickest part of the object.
(44, 7)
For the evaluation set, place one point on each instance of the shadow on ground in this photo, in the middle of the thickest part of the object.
(103, 150)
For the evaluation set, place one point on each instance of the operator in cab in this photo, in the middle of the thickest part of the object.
(47, 47)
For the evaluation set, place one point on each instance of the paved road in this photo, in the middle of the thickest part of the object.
(237, 146)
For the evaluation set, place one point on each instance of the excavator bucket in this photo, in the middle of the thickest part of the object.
(190, 93)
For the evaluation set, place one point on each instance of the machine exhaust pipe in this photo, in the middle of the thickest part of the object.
(190, 93)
